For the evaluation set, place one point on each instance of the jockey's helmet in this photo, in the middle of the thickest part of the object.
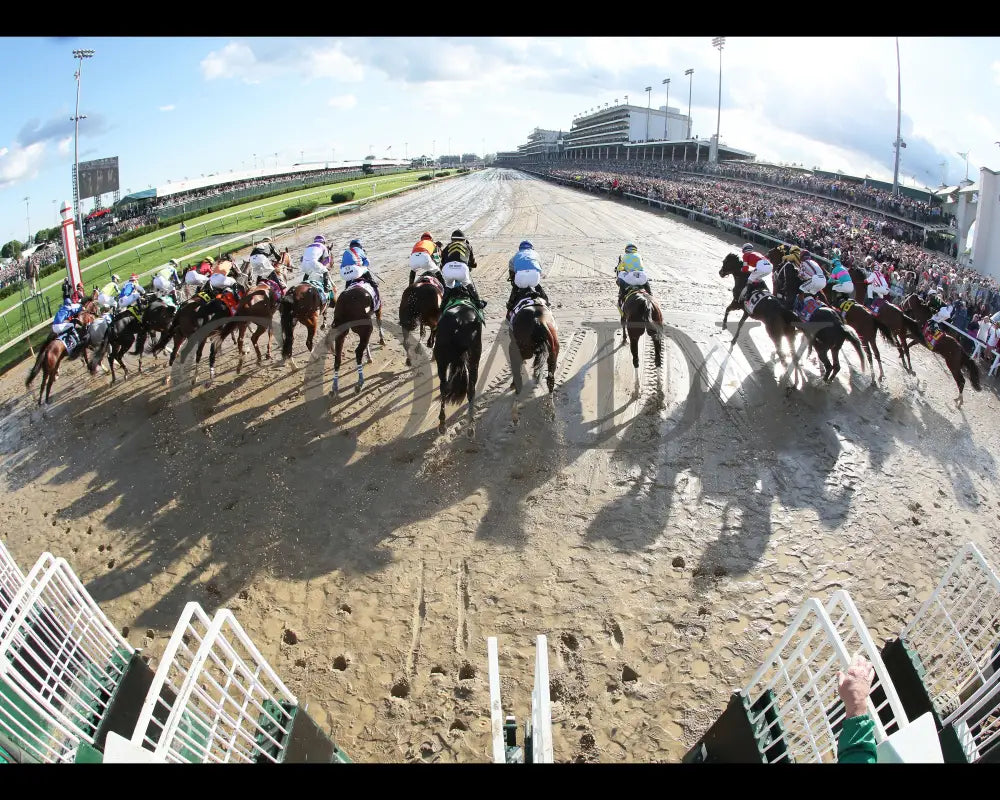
(173, 263)
(835, 253)
(631, 248)
(115, 279)
(457, 235)
(321, 239)
(425, 236)
(354, 243)
(804, 254)
(747, 247)
(209, 259)
(526, 245)
(265, 240)
(133, 277)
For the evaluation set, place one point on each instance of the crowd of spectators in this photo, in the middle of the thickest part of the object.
(819, 225)
(17, 269)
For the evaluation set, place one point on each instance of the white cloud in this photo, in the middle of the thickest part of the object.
(334, 63)
(239, 61)
(20, 163)
(996, 71)
(64, 145)
(167, 108)
(235, 60)
(343, 101)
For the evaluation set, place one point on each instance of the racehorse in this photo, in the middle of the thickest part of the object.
(125, 327)
(260, 302)
(778, 320)
(827, 333)
(420, 303)
(641, 314)
(156, 318)
(902, 327)
(945, 345)
(868, 327)
(533, 335)
(192, 315)
(50, 356)
(457, 349)
(307, 304)
(352, 312)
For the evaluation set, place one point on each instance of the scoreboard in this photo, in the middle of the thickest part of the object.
(98, 177)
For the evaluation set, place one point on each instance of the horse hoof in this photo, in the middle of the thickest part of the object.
(357, 388)
(441, 427)
(408, 362)
(472, 431)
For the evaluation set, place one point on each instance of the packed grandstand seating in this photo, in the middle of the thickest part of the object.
(813, 223)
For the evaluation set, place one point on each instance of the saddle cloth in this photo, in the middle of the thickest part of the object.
(431, 280)
(877, 304)
(69, 340)
(845, 306)
(751, 303)
(521, 304)
(275, 286)
(628, 295)
(461, 301)
(804, 310)
(931, 337)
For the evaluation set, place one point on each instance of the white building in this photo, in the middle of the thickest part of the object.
(986, 247)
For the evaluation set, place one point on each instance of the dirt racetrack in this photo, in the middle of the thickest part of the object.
(662, 541)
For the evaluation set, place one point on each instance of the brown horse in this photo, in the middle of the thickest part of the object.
(420, 303)
(51, 355)
(305, 303)
(903, 327)
(778, 321)
(260, 302)
(946, 346)
(868, 327)
(352, 312)
(533, 335)
(641, 314)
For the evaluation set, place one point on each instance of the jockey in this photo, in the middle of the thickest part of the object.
(167, 280)
(219, 279)
(942, 309)
(130, 292)
(316, 264)
(261, 265)
(425, 257)
(840, 278)
(525, 272)
(109, 293)
(878, 287)
(758, 267)
(813, 277)
(79, 294)
(630, 273)
(66, 320)
(354, 266)
(197, 277)
(458, 260)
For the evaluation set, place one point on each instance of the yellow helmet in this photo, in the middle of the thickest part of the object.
(209, 259)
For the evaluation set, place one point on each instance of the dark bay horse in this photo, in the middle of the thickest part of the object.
(827, 333)
(125, 328)
(641, 314)
(352, 312)
(192, 315)
(946, 346)
(904, 328)
(51, 355)
(260, 303)
(868, 326)
(533, 335)
(306, 304)
(778, 321)
(420, 304)
(457, 350)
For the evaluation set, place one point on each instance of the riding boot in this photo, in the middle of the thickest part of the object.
(474, 294)
(413, 275)
(542, 294)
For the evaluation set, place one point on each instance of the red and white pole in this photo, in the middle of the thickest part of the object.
(69, 244)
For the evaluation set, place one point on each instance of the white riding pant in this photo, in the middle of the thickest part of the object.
(456, 273)
(194, 278)
(527, 278)
(61, 327)
(125, 302)
(260, 266)
(631, 277)
(350, 272)
(844, 288)
(104, 301)
(421, 261)
(220, 281)
(876, 291)
(813, 284)
(763, 267)
(163, 285)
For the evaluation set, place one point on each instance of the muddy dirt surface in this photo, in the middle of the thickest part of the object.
(662, 535)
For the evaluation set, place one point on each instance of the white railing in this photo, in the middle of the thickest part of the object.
(11, 579)
(540, 726)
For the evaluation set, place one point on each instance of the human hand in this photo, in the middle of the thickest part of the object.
(856, 685)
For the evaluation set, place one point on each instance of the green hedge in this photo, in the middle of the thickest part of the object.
(341, 197)
(302, 208)
(424, 178)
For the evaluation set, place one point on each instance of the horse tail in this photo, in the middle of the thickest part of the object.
(972, 370)
(408, 309)
(38, 365)
(457, 385)
(885, 330)
(287, 324)
(853, 338)
(540, 339)
(101, 349)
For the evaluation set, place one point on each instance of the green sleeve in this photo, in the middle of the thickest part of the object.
(856, 744)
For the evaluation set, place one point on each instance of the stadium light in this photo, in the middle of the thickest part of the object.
(27, 213)
(899, 119)
(80, 55)
(690, 74)
(666, 108)
(649, 101)
(719, 42)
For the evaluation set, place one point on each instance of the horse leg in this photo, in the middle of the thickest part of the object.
(381, 338)
(442, 367)
(634, 335)
(514, 353)
(337, 354)
(821, 352)
(550, 379)
(358, 353)
(471, 393)
(211, 358)
(254, 338)
(878, 358)
(406, 345)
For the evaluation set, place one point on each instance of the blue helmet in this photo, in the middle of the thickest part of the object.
(321, 239)
(355, 243)
(526, 245)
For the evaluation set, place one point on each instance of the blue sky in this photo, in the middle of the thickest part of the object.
(179, 107)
